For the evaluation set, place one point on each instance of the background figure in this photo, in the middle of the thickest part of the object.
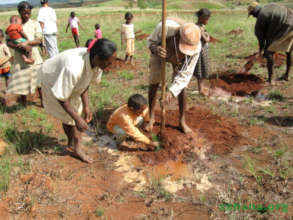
(24, 80)
(202, 67)
(74, 22)
(274, 31)
(5, 56)
(47, 19)
(98, 33)
(128, 37)
(16, 35)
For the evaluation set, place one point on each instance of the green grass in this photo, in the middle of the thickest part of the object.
(4, 174)
(99, 212)
(276, 95)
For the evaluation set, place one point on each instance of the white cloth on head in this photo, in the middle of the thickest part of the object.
(47, 15)
(65, 77)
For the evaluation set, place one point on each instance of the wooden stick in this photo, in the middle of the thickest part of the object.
(163, 67)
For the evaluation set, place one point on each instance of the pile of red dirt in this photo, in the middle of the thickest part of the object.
(214, 40)
(141, 36)
(235, 32)
(218, 134)
(119, 65)
(238, 84)
(279, 60)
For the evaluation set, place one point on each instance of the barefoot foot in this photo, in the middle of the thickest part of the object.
(80, 154)
(183, 126)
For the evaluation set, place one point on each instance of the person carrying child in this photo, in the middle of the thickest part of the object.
(16, 35)
(202, 67)
(74, 22)
(98, 33)
(127, 119)
(128, 36)
(5, 56)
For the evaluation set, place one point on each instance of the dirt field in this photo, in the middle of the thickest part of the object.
(236, 164)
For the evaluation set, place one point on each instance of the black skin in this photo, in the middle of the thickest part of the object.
(170, 56)
(25, 15)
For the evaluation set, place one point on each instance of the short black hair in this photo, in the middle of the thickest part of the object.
(103, 48)
(24, 5)
(97, 26)
(2, 32)
(128, 15)
(72, 14)
(87, 43)
(203, 12)
(43, 2)
(136, 101)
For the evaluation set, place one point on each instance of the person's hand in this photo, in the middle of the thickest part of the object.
(88, 115)
(168, 98)
(23, 45)
(155, 144)
(81, 125)
(161, 52)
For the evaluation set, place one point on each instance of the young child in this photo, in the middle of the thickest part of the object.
(128, 36)
(5, 56)
(98, 34)
(74, 22)
(202, 68)
(126, 120)
(16, 35)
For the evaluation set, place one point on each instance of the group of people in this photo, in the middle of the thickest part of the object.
(63, 80)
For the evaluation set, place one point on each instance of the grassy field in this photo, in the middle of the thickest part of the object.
(38, 180)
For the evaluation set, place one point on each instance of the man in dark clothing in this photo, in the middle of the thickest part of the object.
(274, 31)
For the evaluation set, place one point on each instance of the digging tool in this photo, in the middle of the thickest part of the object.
(163, 67)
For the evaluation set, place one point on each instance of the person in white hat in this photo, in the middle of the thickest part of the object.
(183, 49)
(274, 31)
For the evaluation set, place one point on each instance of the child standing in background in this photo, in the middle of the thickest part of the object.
(128, 36)
(5, 56)
(74, 22)
(98, 33)
(202, 68)
(17, 36)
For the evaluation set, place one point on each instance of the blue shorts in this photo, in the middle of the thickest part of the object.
(7, 74)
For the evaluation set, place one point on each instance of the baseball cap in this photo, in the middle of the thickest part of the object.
(189, 38)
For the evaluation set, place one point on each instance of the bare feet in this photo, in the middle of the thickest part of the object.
(80, 154)
(183, 126)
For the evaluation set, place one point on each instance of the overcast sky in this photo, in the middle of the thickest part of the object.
(9, 1)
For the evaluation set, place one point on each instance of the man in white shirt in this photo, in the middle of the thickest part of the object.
(47, 19)
(183, 49)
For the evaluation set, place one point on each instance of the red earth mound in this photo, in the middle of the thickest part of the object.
(119, 65)
(209, 131)
(279, 59)
(238, 84)
(141, 36)
(235, 32)
(214, 40)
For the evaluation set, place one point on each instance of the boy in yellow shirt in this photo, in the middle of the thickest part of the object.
(127, 119)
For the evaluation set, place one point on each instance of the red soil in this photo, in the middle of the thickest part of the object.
(279, 59)
(235, 32)
(209, 131)
(119, 65)
(141, 36)
(238, 84)
(214, 40)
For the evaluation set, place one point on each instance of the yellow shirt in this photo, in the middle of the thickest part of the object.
(127, 120)
(5, 55)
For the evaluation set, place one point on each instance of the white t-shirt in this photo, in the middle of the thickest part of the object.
(47, 15)
(128, 31)
(73, 22)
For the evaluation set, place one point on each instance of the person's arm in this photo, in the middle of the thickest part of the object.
(67, 26)
(205, 35)
(23, 34)
(42, 24)
(86, 108)
(80, 122)
(183, 76)
(131, 130)
(260, 31)
(122, 35)
(79, 24)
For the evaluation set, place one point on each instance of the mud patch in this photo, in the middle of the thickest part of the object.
(119, 65)
(141, 36)
(214, 40)
(238, 84)
(235, 32)
(279, 60)
(210, 133)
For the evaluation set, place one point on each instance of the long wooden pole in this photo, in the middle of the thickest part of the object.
(163, 66)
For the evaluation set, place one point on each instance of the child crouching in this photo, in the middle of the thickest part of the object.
(127, 119)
